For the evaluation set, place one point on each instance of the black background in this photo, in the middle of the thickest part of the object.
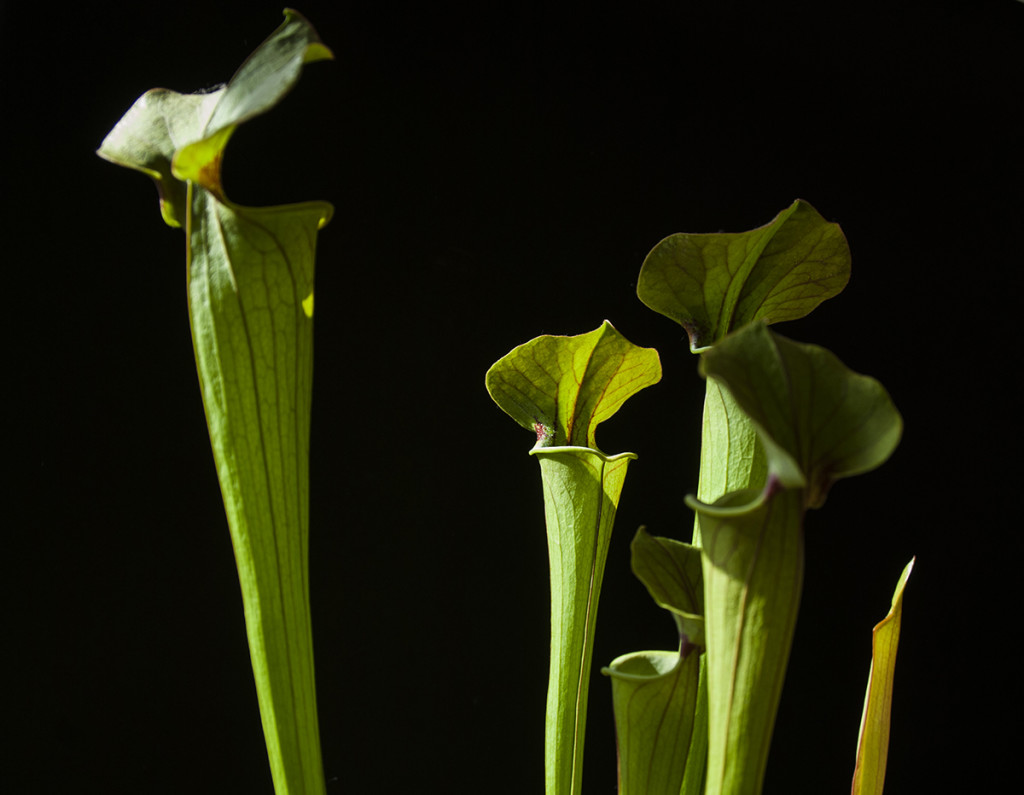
(500, 173)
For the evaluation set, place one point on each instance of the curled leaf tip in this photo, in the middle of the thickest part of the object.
(817, 420)
(180, 138)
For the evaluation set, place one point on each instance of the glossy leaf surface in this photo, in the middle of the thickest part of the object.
(250, 290)
(873, 744)
(712, 284)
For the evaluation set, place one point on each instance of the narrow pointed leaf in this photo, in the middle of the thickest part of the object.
(250, 290)
(818, 420)
(660, 706)
(563, 387)
(712, 284)
(873, 745)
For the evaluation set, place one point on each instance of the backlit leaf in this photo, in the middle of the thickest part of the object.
(712, 284)
(818, 420)
(250, 290)
(563, 387)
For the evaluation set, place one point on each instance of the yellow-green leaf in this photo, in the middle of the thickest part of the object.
(563, 387)
(250, 290)
(582, 488)
(176, 138)
(818, 420)
(753, 573)
(712, 284)
(873, 745)
(658, 697)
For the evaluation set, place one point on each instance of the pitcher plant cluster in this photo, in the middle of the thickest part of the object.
(782, 422)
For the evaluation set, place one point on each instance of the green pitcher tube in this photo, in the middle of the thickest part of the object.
(581, 492)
